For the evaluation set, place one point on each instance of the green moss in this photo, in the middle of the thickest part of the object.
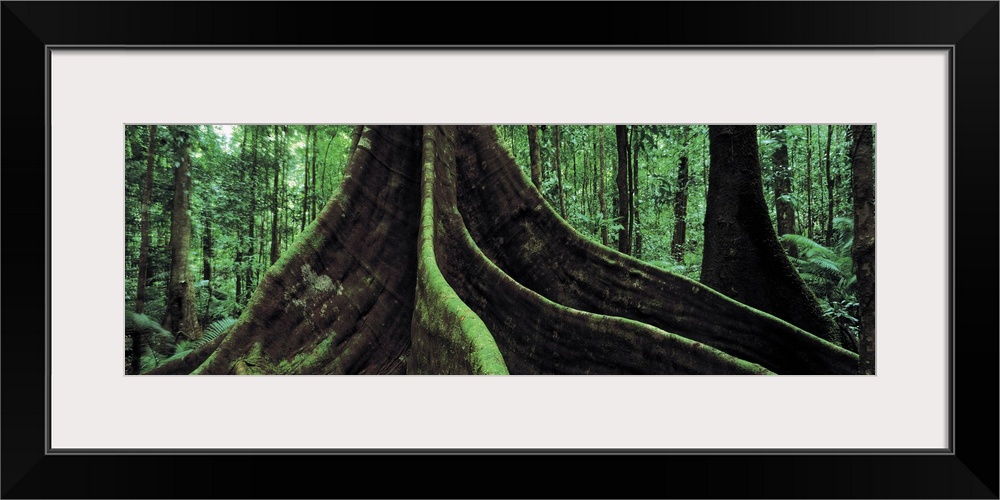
(454, 332)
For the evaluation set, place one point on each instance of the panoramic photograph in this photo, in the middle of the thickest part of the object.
(499, 249)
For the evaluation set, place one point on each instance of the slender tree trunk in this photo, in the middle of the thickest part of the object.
(624, 207)
(680, 211)
(238, 271)
(182, 315)
(207, 254)
(305, 181)
(326, 154)
(576, 180)
(634, 198)
(829, 188)
(600, 191)
(533, 155)
(305, 192)
(250, 283)
(783, 208)
(559, 176)
(147, 194)
(863, 250)
(315, 195)
(588, 193)
(140, 294)
(275, 235)
(809, 192)
(742, 256)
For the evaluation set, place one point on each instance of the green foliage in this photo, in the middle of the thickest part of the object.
(213, 331)
(155, 343)
(829, 273)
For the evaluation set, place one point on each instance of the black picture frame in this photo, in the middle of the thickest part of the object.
(969, 470)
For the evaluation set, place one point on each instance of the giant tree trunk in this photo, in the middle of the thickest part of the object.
(742, 256)
(783, 208)
(181, 316)
(624, 211)
(439, 222)
(863, 251)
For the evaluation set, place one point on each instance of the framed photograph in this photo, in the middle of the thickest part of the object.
(99, 80)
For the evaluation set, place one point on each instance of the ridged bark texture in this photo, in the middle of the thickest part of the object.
(742, 256)
(863, 251)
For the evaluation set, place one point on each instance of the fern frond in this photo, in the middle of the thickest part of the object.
(807, 248)
(213, 331)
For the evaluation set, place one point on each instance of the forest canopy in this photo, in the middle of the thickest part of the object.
(534, 249)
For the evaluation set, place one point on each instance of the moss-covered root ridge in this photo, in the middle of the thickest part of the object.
(517, 230)
(447, 336)
(539, 336)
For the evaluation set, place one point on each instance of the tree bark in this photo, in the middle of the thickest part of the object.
(533, 155)
(863, 249)
(305, 180)
(829, 188)
(680, 212)
(143, 278)
(742, 256)
(275, 235)
(249, 281)
(809, 192)
(181, 315)
(559, 176)
(600, 191)
(207, 253)
(147, 194)
(495, 280)
(315, 194)
(634, 196)
(783, 208)
(622, 180)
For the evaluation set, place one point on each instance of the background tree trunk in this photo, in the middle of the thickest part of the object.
(249, 281)
(680, 212)
(275, 234)
(206, 261)
(634, 196)
(783, 208)
(182, 316)
(533, 155)
(742, 256)
(559, 175)
(305, 178)
(863, 250)
(147, 190)
(624, 207)
(829, 188)
(600, 192)
(809, 193)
